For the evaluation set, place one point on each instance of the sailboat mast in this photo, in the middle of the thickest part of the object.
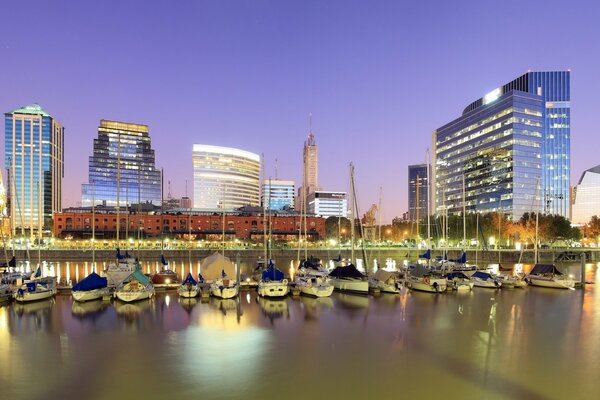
(93, 226)
(39, 244)
(464, 199)
(118, 184)
(352, 213)
(427, 163)
(264, 211)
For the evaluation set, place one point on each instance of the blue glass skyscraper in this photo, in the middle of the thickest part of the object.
(122, 162)
(512, 147)
(34, 156)
(417, 181)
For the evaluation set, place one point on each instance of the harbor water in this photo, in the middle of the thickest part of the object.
(531, 343)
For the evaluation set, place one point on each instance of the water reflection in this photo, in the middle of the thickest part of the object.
(481, 344)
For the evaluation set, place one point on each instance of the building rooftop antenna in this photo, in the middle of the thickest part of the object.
(276, 167)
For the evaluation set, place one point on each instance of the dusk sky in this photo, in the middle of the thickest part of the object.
(378, 77)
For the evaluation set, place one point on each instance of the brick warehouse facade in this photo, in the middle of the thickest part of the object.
(77, 223)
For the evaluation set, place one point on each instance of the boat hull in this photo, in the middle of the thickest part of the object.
(131, 296)
(188, 292)
(434, 286)
(384, 287)
(87, 295)
(225, 292)
(316, 290)
(34, 296)
(273, 288)
(552, 283)
(487, 284)
(351, 285)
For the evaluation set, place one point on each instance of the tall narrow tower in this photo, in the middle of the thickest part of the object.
(311, 162)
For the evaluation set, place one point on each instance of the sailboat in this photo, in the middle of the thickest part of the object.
(422, 279)
(166, 278)
(385, 281)
(92, 287)
(219, 272)
(189, 287)
(272, 282)
(313, 279)
(458, 281)
(547, 275)
(118, 271)
(36, 288)
(485, 280)
(136, 286)
(348, 278)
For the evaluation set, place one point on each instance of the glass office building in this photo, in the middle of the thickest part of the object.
(278, 194)
(512, 147)
(225, 178)
(122, 167)
(34, 156)
(586, 196)
(417, 180)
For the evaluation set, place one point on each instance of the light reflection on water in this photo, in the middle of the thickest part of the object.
(534, 343)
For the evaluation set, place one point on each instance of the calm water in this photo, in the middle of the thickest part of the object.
(531, 344)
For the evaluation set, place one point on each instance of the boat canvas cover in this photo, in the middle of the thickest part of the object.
(426, 255)
(456, 274)
(189, 279)
(461, 260)
(91, 282)
(272, 274)
(420, 271)
(139, 276)
(540, 269)
(212, 267)
(312, 263)
(348, 271)
(482, 275)
(382, 275)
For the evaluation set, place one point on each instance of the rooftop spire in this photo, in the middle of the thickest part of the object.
(310, 141)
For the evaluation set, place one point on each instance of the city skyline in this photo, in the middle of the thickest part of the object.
(375, 105)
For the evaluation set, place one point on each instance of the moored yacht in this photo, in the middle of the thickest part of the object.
(272, 282)
(349, 279)
(189, 287)
(313, 280)
(485, 280)
(547, 275)
(219, 273)
(118, 271)
(136, 286)
(166, 278)
(385, 281)
(92, 287)
(421, 278)
(458, 281)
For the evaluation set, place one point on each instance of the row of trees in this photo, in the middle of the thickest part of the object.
(551, 228)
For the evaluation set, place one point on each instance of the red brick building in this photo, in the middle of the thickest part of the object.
(77, 223)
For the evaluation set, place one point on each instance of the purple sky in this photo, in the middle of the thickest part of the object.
(377, 76)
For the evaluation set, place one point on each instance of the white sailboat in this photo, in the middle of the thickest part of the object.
(486, 280)
(272, 282)
(385, 281)
(136, 286)
(37, 288)
(458, 281)
(219, 272)
(118, 271)
(92, 287)
(420, 278)
(547, 275)
(189, 288)
(313, 279)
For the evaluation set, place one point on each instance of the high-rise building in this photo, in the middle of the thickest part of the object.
(225, 178)
(34, 156)
(122, 167)
(310, 171)
(278, 194)
(511, 148)
(418, 181)
(586, 196)
(327, 204)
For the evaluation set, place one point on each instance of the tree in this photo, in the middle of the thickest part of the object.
(333, 226)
